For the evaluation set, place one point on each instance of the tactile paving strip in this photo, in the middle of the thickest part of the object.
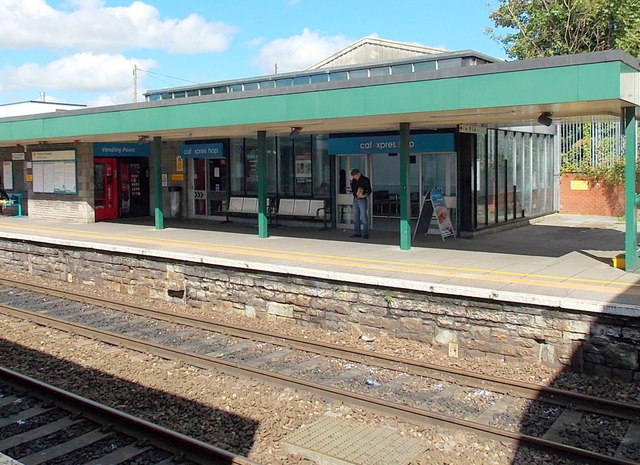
(334, 441)
(4, 460)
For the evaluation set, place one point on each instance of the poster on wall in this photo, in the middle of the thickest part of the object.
(54, 172)
(7, 175)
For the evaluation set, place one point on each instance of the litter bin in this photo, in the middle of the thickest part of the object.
(175, 201)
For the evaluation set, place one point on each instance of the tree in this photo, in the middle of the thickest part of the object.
(560, 27)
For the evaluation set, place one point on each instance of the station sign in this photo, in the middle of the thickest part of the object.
(209, 150)
(121, 149)
(472, 129)
(418, 143)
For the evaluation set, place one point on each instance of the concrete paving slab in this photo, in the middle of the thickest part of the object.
(337, 441)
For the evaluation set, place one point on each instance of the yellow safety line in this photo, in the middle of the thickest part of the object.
(359, 262)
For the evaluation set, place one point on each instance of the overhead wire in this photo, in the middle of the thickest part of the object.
(153, 74)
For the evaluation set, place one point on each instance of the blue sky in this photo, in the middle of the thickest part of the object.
(84, 51)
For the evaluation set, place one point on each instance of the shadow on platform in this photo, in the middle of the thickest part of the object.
(554, 236)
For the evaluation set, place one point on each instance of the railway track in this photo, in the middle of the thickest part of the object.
(568, 423)
(40, 423)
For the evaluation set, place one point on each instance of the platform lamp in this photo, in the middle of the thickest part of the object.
(545, 118)
(295, 130)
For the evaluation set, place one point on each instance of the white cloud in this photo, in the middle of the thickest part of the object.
(82, 72)
(298, 52)
(116, 98)
(92, 26)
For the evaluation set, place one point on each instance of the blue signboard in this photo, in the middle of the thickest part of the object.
(121, 149)
(209, 150)
(418, 143)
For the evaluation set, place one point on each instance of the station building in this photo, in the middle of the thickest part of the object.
(413, 119)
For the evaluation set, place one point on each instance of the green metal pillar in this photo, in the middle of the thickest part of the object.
(405, 205)
(157, 182)
(263, 214)
(630, 204)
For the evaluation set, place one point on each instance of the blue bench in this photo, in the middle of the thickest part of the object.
(15, 200)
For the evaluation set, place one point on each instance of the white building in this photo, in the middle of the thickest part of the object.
(33, 107)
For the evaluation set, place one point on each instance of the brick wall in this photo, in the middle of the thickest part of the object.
(599, 198)
(605, 345)
(72, 211)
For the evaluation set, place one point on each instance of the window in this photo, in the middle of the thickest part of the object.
(302, 151)
(220, 90)
(424, 66)
(491, 177)
(402, 69)
(481, 182)
(251, 86)
(359, 74)
(284, 82)
(505, 148)
(319, 78)
(267, 84)
(339, 76)
(300, 80)
(193, 93)
(206, 91)
(469, 61)
(236, 168)
(251, 166)
(321, 167)
(272, 166)
(450, 63)
(235, 88)
(383, 71)
(286, 184)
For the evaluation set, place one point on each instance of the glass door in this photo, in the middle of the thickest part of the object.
(439, 171)
(134, 187)
(209, 187)
(344, 196)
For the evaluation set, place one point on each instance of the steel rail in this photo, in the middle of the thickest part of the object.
(529, 391)
(162, 438)
(412, 414)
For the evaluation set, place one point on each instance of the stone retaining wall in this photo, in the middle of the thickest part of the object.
(603, 345)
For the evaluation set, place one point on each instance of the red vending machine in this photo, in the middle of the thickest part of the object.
(105, 179)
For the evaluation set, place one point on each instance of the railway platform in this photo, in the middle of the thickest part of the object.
(561, 261)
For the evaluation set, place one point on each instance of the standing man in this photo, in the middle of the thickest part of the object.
(361, 189)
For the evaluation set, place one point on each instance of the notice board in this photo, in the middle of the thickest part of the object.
(55, 172)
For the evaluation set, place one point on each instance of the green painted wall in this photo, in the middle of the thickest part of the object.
(576, 83)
